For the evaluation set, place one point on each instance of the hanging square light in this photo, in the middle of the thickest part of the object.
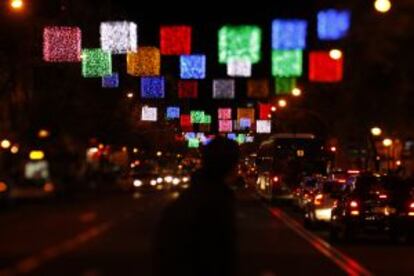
(239, 67)
(193, 66)
(96, 63)
(333, 24)
(289, 34)
(175, 40)
(187, 89)
(111, 81)
(197, 116)
(62, 44)
(246, 113)
(149, 114)
(225, 125)
(258, 88)
(223, 89)
(325, 66)
(173, 112)
(224, 113)
(119, 37)
(263, 126)
(285, 85)
(145, 62)
(264, 111)
(287, 63)
(152, 87)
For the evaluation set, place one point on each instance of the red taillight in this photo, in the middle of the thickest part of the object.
(383, 196)
(353, 204)
(275, 179)
(411, 209)
(412, 205)
(318, 199)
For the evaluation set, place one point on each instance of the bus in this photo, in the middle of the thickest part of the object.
(284, 159)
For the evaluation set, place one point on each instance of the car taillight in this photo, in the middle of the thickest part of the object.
(318, 199)
(411, 209)
(275, 179)
(383, 196)
(354, 208)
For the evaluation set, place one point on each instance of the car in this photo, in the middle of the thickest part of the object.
(303, 193)
(317, 210)
(372, 204)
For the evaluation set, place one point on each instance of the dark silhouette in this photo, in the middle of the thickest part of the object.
(196, 235)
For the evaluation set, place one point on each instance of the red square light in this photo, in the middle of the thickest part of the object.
(185, 121)
(264, 111)
(175, 40)
(325, 68)
(187, 89)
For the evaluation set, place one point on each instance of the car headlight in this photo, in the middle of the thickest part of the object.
(153, 182)
(137, 183)
(159, 180)
(168, 179)
(185, 179)
(176, 181)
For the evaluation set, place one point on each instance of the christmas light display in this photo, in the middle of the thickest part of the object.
(223, 89)
(197, 116)
(249, 139)
(175, 40)
(324, 68)
(289, 34)
(231, 136)
(111, 81)
(119, 37)
(333, 24)
(224, 113)
(263, 126)
(173, 112)
(225, 125)
(264, 111)
(204, 127)
(285, 85)
(185, 121)
(96, 63)
(246, 113)
(62, 44)
(239, 67)
(187, 89)
(287, 63)
(145, 62)
(149, 114)
(193, 143)
(244, 123)
(257, 88)
(206, 119)
(152, 87)
(241, 138)
(190, 135)
(193, 66)
(240, 42)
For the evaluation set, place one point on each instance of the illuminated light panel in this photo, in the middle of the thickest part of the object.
(225, 125)
(111, 81)
(224, 113)
(206, 119)
(323, 68)
(149, 114)
(246, 113)
(62, 44)
(289, 34)
(239, 68)
(241, 138)
(193, 66)
(197, 116)
(244, 123)
(264, 111)
(193, 143)
(287, 63)
(145, 62)
(333, 24)
(175, 40)
(263, 126)
(173, 112)
(223, 89)
(119, 37)
(152, 87)
(188, 89)
(258, 88)
(232, 136)
(240, 42)
(96, 63)
(190, 135)
(185, 120)
(285, 85)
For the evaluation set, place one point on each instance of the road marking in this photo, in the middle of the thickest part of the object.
(346, 263)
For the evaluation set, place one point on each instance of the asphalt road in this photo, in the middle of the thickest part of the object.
(113, 234)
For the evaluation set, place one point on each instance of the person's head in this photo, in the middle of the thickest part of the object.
(220, 157)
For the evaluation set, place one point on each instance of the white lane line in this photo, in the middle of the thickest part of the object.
(346, 263)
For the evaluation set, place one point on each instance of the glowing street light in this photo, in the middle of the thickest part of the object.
(43, 133)
(273, 108)
(376, 131)
(5, 144)
(282, 103)
(296, 92)
(16, 4)
(335, 54)
(382, 6)
(387, 142)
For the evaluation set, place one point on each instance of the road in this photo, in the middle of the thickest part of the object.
(112, 235)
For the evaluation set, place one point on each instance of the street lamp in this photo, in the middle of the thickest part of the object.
(376, 131)
(282, 103)
(296, 92)
(335, 54)
(387, 142)
(382, 6)
(16, 4)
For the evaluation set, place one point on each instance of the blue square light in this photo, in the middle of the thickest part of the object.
(193, 66)
(289, 34)
(173, 112)
(152, 87)
(110, 81)
(333, 24)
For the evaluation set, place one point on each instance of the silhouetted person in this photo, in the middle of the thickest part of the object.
(196, 235)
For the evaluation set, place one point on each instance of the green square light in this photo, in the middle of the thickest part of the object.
(193, 143)
(287, 63)
(206, 119)
(239, 42)
(96, 63)
(285, 85)
(241, 138)
(197, 117)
